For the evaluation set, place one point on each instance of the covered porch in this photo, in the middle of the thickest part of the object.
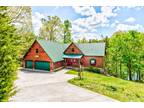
(73, 60)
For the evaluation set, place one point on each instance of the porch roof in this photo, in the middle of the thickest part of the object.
(72, 56)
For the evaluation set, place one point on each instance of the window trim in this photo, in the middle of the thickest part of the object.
(93, 63)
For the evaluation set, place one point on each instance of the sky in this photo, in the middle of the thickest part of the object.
(93, 22)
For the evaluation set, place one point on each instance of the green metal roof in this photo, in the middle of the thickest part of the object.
(92, 49)
(53, 49)
(72, 56)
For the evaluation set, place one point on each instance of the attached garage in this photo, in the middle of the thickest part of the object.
(28, 64)
(42, 65)
(44, 55)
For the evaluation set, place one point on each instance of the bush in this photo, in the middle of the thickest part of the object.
(93, 69)
(9, 54)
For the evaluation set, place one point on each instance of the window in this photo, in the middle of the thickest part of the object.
(72, 49)
(36, 50)
(92, 61)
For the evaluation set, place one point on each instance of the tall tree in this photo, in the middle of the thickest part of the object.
(83, 40)
(9, 50)
(51, 28)
(125, 54)
(67, 32)
(93, 40)
(21, 17)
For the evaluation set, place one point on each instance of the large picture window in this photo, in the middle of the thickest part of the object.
(93, 61)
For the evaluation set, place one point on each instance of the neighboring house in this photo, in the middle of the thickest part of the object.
(47, 55)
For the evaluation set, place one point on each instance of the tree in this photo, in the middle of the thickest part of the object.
(51, 28)
(114, 52)
(125, 55)
(21, 17)
(67, 32)
(9, 50)
(93, 40)
(83, 40)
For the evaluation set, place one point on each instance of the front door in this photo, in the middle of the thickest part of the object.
(72, 62)
(69, 62)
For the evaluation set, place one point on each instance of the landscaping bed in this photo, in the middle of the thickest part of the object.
(122, 90)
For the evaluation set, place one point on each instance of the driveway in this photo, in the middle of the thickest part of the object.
(48, 87)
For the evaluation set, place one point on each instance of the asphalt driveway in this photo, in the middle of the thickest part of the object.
(48, 87)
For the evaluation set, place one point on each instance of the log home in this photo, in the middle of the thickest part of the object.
(49, 56)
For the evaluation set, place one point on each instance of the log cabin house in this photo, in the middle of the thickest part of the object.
(50, 56)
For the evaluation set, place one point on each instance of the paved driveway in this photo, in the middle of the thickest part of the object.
(46, 87)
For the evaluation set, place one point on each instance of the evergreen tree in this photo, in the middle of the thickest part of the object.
(67, 31)
(9, 49)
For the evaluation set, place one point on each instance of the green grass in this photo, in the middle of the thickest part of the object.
(122, 90)
(73, 72)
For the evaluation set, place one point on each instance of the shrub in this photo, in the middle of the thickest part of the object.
(111, 88)
(93, 69)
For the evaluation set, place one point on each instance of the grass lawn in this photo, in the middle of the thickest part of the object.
(116, 88)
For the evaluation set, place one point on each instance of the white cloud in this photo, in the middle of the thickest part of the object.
(36, 19)
(130, 20)
(92, 20)
(107, 11)
(139, 8)
(77, 29)
(86, 35)
(114, 23)
(86, 10)
(117, 9)
(125, 27)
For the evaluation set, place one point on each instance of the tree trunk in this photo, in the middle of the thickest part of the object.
(129, 71)
(121, 75)
(138, 75)
(116, 70)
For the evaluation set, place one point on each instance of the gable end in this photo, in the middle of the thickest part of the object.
(72, 49)
(41, 55)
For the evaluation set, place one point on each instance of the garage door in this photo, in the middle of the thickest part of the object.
(28, 64)
(42, 65)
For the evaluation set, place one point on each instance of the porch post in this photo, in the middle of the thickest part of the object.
(33, 65)
(80, 72)
(64, 62)
(79, 65)
(51, 67)
(23, 64)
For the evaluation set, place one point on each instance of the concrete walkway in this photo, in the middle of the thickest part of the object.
(46, 87)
